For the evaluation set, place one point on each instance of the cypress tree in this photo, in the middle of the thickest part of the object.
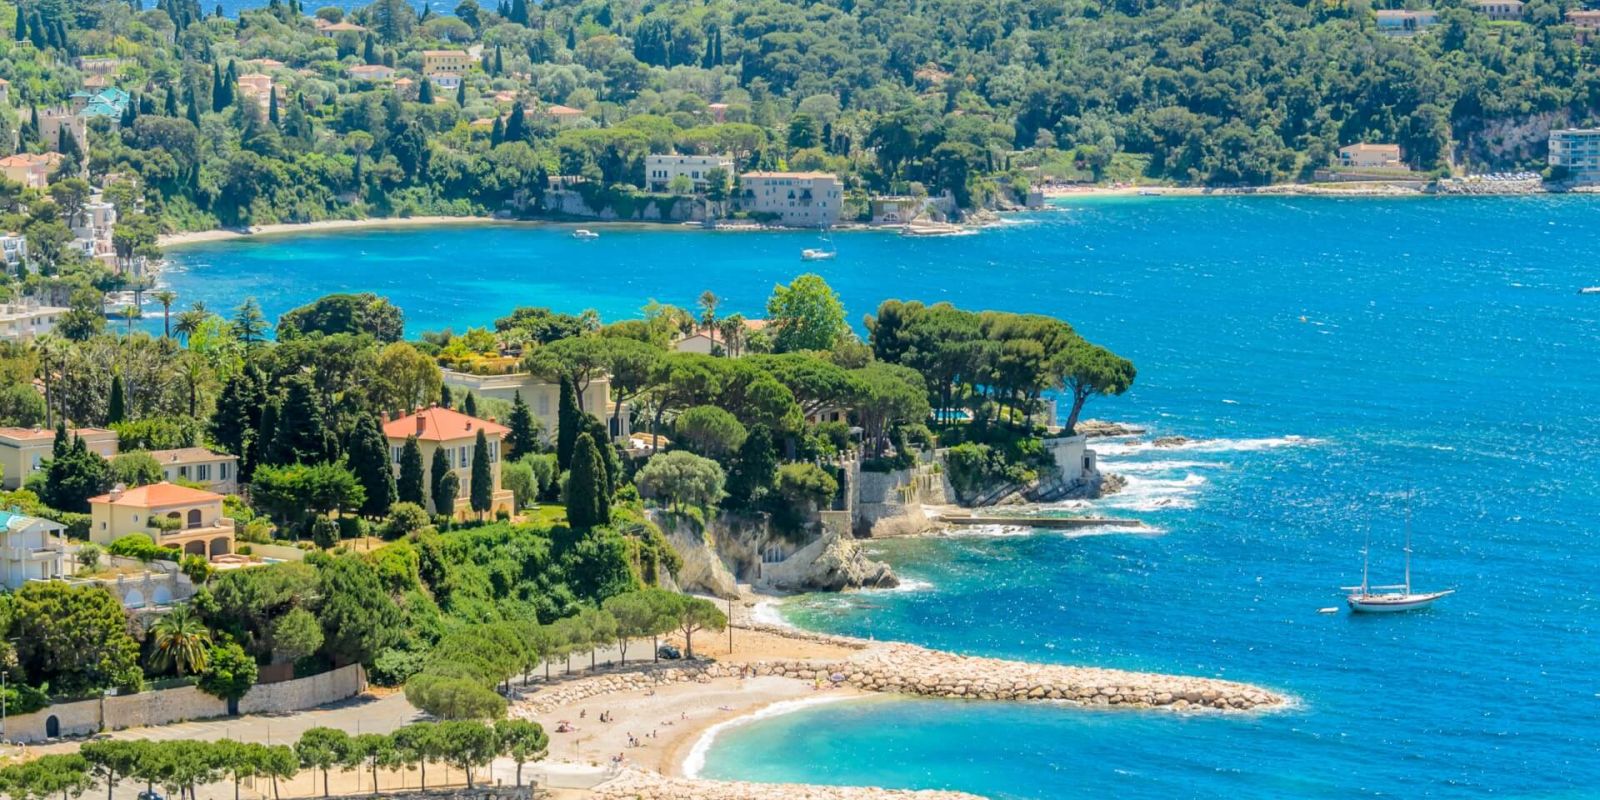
(444, 501)
(21, 24)
(171, 106)
(498, 133)
(369, 51)
(572, 38)
(587, 503)
(461, 95)
(482, 489)
(438, 471)
(520, 441)
(272, 106)
(499, 61)
(410, 487)
(216, 88)
(469, 406)
(302, 435)
(194, 106)
(368, 452)
(444, 396)
(515, 124)
(266, 431)
(115, 412)
(425, 94)
(601, 433)
(519, 11)
(569, 422)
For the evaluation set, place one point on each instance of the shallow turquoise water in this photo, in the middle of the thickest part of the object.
(1443, 350)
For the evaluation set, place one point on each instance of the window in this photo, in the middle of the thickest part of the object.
(465, 459)
(222, 471)
(202, 472)
(183, 472)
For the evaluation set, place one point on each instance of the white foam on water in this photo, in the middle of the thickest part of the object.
(696, 760)
(990, 531)
(765, 612)
(1155, 494)
(1113, 449)
(1125, 467)
(905, 586)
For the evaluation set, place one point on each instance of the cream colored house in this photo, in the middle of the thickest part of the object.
(457, 435)
(193, 516)
(797, 199)
(52, 121)
(660, 170)
(258, 87)
(22, 450)
(30, 169)
(27, 320)
(30, 549)
(370, 72)
(543, 397)
(1370, 155)
(436, 61)
(565, 116)
(218, 471)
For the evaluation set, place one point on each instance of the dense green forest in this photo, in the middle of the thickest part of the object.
(979, 99)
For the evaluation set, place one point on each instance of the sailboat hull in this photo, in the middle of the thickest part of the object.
(1392, 603)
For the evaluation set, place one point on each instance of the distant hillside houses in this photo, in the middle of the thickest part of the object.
(1405, 23)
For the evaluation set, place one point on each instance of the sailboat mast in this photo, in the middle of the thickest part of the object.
(1366, 559)
(1408, 545)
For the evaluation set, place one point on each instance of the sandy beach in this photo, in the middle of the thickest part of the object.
(223, 234)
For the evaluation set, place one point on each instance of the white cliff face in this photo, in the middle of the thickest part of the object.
(832, 563)
(743, 548)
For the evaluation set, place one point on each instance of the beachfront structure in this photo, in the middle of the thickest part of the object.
(1370, 156)
(543, 397)
(456, 434)
(895, 210)
(23, 450)
(660, 170)
(25, 320)
(452, 61)
(30, 549)
(1402, 23)
(370, 72)
(219, 472)
(798, 199)
(1578, 151)
(174, 516)
(32, 170)
(1500, 10)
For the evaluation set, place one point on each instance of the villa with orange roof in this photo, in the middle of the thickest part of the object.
(174, 516)
(564, 115)
(457, 435)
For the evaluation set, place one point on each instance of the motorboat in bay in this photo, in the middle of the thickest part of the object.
(585, 233)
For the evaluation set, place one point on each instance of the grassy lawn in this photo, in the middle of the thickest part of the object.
(547, 515)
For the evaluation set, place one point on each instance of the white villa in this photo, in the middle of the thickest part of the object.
(27, 320)
(660, 170)
(30, 549)
(797, 199)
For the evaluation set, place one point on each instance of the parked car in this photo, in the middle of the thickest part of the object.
(665, 651)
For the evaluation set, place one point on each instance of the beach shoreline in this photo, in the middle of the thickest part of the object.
(290, 228)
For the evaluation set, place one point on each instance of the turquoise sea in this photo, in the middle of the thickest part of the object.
(1328, 358)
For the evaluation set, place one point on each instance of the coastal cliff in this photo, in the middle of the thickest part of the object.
(733, 547)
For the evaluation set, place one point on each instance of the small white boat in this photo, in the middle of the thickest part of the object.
(585, 233)
(1589, 290)
(817, 254)
(1368, 599)
(1149, 193)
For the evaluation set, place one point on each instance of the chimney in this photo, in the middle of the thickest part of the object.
(422, 423)
(116, 492)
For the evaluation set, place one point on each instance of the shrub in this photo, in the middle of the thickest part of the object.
(352, 527)
(836, 434)
(404, 520)
(142, 547)
(395, 666)
(324, 532)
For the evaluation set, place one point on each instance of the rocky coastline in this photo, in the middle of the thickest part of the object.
(635, 784)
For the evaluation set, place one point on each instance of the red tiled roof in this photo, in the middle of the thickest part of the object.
(440, 425)
(161, 494)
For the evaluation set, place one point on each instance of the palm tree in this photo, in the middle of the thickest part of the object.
(180, 641)
(708, 309)
(166, 297)
(51, 350)
(130, 313)
(189, 322)
(194, 370)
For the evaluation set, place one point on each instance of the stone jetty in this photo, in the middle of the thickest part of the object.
(638, 785)
(911, 670)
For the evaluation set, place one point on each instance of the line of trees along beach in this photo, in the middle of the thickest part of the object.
(455, 604)
(180, 766)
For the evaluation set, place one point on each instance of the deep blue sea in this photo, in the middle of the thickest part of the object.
(1328, 359)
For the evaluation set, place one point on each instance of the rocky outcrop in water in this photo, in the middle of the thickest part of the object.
(832, 563)
(1093, 428)
(1169, 441)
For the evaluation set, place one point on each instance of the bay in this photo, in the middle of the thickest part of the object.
(1431, 349)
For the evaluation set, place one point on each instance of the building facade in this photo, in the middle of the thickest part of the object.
(436, 61)
(1401, 23)
(456, 434)
(797, 199)
(32, 170)
(660, 170)
(174, 516)
(26, 320)
(219, 472)
(1370, 156)
(1501, 10)
(1577, 150)
(543, 397)
(23, 450)
(31, 549)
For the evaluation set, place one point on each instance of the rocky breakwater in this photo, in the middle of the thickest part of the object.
(640, 785)
(911, 670)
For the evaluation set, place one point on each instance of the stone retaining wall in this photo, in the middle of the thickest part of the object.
(639, 785)
(908, 669)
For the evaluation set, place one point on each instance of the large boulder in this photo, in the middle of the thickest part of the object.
(832, 563)
(702, 570)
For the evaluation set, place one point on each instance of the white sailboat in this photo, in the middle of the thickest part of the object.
(1369, 599)
(824, 253)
